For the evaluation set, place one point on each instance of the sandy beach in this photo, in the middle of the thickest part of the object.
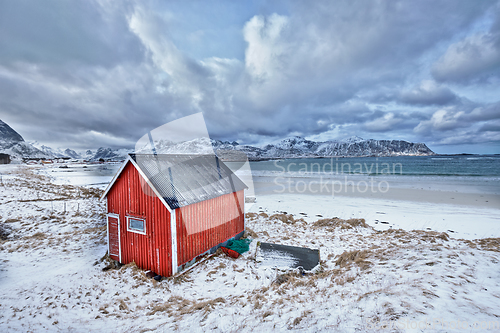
(464, 211)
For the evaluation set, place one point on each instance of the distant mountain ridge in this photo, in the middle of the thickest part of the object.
(13, 144)
(298, 147)
(295, 147)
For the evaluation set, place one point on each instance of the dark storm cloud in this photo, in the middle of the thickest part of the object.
(493, 126)
(56, 32)
(93, 73)
(428, 93)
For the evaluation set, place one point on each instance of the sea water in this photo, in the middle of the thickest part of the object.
(462, 173)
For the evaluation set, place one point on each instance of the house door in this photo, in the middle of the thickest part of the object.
(114, 236)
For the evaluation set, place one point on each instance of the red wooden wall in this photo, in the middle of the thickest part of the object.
(205, 224)
(127, 198)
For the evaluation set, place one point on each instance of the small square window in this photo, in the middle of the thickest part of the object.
(136, 225)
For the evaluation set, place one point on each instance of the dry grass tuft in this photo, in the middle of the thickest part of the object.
(39, 235)
(159, 308)
(90, 192)
(486, 244)
(123, 306)
(356, 257)
(430, 236)
(267, 314)
(285, 218)
(302, 316)
(185, 306)
(207, 305)
(294, 280)
(336, 222)
(181, 278)
(251, 216)
(110, 263)
(216, 269)
(250, 233)
(282, 278)
(422, 235)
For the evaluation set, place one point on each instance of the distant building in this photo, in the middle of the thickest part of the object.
(165, 211)
(4, 159)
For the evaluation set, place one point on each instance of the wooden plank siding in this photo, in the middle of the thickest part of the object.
(205, 224)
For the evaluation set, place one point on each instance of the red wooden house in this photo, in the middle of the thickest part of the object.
(164, 211)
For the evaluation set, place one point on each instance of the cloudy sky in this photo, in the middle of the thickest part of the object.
(84, 74)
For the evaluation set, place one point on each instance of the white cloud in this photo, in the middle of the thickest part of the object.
(266, 46)
(428, 93)
(441, 120)
(470, 58)
(385, 123)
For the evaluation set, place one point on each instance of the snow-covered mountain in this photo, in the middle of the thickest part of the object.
(297, 147)
(56, 153)
(107, 154)
(12, 143)
(7, 134)
(196, 146)
(294, 147)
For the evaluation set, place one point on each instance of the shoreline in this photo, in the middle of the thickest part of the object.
(263, 186)
(460, 214)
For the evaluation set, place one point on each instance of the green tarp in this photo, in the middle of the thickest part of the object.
(240, 245)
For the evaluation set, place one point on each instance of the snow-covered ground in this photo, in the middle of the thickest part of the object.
(52, 278)
(459, 221)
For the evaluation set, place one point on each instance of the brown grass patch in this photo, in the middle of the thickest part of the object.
(356, 257)
(90, 192)
(181, 278)
(207, 305)
(251, 216)
(250, 233)
(378, 291)
(284, 218)
(486, 244)
(184, 306)
(431, 236)
(122, 305)
(302, 316)
(39, 235)
(336, 222)
(267, 314)
(416, 235)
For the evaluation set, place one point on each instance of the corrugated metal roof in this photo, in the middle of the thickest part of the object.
(187, 179)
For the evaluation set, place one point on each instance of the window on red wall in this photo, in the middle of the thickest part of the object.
(137, 225)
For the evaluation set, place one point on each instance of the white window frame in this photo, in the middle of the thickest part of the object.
(135, 230)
